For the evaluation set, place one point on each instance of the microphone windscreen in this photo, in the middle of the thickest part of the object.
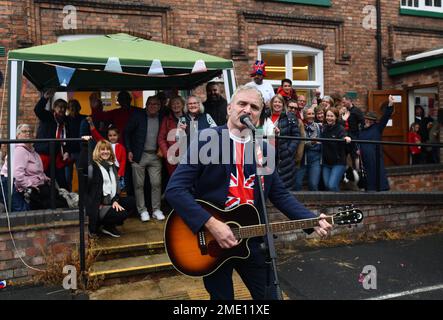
(243, 119)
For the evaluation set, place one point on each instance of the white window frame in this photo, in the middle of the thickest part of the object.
(289, 49)
(422, 7)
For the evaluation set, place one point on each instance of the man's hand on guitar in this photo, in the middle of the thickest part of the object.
(324, 227)
(221, 232)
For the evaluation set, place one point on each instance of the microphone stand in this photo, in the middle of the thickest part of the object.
(269, 239)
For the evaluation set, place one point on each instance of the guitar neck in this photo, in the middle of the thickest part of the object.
(278, 227)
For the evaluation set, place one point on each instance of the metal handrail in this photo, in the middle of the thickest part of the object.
(435, 145)
(82, 178)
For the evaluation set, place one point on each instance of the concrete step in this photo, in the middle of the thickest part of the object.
(138, 238)
(129, 250)
(130, 266)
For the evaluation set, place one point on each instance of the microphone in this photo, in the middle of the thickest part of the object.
(247, 122)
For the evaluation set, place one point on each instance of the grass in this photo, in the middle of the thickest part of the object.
(53, 273)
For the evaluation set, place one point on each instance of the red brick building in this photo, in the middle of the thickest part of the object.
(325, 44)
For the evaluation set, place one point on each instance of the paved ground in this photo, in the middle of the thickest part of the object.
(39, 293)
(409, 269)
(335, 273)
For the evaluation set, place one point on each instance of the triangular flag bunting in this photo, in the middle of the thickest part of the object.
(113, 64)
(199, 66)
(156, 68)
(64, 75)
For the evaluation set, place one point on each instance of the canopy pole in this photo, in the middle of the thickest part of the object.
(229, 82)
(15, 71)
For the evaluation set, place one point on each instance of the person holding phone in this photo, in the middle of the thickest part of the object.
(196, 118)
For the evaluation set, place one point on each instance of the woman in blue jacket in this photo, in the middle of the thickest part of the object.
(373, 130)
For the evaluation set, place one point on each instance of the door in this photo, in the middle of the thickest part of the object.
(397, 129)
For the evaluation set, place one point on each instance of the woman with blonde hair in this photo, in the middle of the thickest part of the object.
(104, 207)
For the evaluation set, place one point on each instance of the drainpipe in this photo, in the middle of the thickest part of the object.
(379, 43)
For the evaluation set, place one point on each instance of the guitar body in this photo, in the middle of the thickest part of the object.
(199, 254)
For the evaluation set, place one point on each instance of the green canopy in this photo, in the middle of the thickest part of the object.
(90, 56)
(110, 63)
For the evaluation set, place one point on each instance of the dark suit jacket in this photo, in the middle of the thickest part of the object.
(47, 129)
(210, 182)
(135, 132)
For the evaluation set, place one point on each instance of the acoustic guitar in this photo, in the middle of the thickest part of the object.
(198, 255)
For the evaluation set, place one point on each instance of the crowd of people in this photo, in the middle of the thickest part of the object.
(424, 129)
(137, 150)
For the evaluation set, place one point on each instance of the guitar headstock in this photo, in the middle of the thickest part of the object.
(348, 215)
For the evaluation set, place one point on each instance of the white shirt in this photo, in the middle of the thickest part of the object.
(265, 88)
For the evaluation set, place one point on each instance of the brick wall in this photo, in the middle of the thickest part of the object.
(35, 243)
(417, 182)
(400, 213)
(233, 30)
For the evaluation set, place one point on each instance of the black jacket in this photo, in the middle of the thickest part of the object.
(356, 121)
(334, 153)
(94, 196)
(217, 110)
(288, 125)
(136, 131)
(47, 129)
(74, 131)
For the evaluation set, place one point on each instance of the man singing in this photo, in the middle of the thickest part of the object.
(228, 185)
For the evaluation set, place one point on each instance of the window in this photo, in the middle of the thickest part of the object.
(433, 3)
(302, 65)
(323, 3)
(409, 3)
(425, 8)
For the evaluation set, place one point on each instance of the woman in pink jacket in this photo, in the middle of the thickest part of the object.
(30, 179)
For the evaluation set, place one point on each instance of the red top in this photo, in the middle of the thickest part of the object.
(414, 137)
(347, 125)
(275, 117)
(292, 95)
